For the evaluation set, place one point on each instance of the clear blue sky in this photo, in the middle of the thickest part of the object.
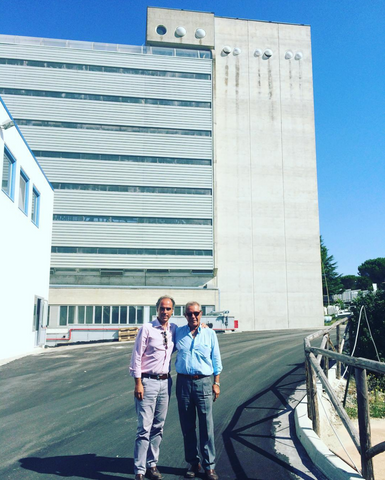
(348, 40)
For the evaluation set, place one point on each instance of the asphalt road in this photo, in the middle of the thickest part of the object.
(69, 412)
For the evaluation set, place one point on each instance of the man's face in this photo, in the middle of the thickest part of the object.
(165, 310)
(193, 315)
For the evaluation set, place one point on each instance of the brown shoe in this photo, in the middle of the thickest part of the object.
(193, 470)
(139, 476)
(153, 473)
(211, 475)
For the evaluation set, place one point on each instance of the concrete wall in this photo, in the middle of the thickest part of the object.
(25, 252)
(266, 208)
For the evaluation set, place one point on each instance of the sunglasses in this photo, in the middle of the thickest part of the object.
(195, 314)
(165, 339)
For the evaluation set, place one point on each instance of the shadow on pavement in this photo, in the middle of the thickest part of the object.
(87, 466)
(250, 438)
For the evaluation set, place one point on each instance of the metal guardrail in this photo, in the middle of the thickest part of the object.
(314, 356)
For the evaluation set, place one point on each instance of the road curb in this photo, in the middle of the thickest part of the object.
(329, 464)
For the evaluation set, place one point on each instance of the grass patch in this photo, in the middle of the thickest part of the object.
(376, 402)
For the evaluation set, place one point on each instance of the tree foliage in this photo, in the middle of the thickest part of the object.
(331, 280)
(375, 310)
(374, 270)
(354, 282)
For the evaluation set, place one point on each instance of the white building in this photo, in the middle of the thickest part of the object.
(184, 167)
(26, 204)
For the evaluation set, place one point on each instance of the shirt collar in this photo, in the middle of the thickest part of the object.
(157, 324)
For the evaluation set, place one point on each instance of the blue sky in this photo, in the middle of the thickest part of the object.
(348, 38)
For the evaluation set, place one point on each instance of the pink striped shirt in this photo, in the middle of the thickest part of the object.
(150, 354)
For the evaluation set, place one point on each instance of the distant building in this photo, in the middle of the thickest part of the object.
(26, 204)
(185, 167)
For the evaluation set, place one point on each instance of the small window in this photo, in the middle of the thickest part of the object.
(123, 314)
(98, 314)
(8, 179)
(71, 315)
(23, 192)
(152, 312)
(106, 314)
(115, 315)
(63, 315)
(35, 207)
(89, 314)
(161, 30)
(81, 311)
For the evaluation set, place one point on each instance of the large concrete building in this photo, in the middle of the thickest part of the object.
(185, 167)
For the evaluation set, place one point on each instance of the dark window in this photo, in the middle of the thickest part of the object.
(23, 192)
(8, 179)
(123, 314)
(114, 128)
(35, 206)
(98, 314)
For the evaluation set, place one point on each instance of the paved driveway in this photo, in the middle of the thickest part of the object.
(69, 412)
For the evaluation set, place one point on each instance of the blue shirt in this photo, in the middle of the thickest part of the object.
(199, 355)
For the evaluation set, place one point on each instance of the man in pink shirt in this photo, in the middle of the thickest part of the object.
(150, 366)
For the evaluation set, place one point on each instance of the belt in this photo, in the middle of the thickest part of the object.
(163, 376)
(193, 377)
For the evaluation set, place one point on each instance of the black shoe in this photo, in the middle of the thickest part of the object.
(139, 476)
(193, 470)
(153, 473)
(211, 475)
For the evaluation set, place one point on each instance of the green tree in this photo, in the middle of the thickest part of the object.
(374, 270)
(354, 282)
(331, 280)
(375, 310)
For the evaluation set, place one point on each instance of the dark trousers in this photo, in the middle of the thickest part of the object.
(196, 397)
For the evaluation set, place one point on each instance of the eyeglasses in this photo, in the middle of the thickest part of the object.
(165, 339)
(195, 314)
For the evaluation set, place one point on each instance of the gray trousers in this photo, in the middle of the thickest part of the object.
(151, 412)
(196, 397)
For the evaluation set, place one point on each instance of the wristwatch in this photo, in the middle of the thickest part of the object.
(217, 383)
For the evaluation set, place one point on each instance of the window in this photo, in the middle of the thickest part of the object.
(35, 206)
(8, 179)
(106, 314)
(89, 314)
(81, 311)
(63, 315)
(98, 314)
(23, 192)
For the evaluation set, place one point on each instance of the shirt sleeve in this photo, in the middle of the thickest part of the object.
(215, 354)
(137, 354)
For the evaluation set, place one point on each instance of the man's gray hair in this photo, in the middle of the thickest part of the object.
(164, 297)
(191, 304)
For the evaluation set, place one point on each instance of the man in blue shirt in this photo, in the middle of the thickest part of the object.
(197, 359)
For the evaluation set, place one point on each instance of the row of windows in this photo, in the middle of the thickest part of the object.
(130, 188)
(111, 219)
(104, 98)
(107, 47)
(113, 315)
(130, 251)
(8, 187)
(114, 128)
(121, 158)
(103, 68)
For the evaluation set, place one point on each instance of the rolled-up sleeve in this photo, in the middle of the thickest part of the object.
(137, 354)
(215, 354)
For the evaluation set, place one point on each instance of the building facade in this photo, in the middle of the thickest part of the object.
(26, 205)
(185, 167)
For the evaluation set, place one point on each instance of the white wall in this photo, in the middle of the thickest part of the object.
(25, 252)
